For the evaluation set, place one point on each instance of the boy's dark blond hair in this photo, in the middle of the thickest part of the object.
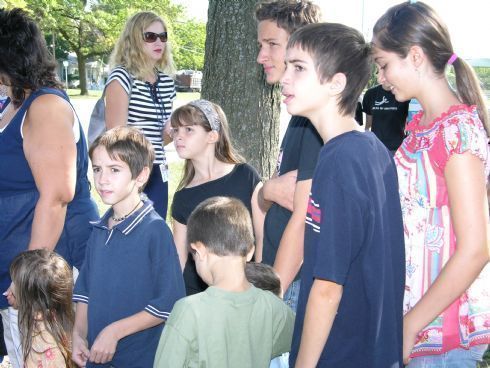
(288, 14)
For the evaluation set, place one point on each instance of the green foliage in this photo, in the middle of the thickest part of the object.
(188, 48)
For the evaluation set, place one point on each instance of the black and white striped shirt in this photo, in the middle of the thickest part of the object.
(149, 106)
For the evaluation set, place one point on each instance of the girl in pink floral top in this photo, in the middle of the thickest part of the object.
(443, 166)
(41, 290)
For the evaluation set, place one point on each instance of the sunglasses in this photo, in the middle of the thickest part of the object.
(152, 36)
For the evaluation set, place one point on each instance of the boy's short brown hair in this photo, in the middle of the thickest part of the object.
(337, 48)
(288, 14)
(128, 145)
(223, 225)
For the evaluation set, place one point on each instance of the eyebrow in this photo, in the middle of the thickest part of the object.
(295, 61)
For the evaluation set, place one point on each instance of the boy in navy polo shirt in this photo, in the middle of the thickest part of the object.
(131, 276)
(352, 282)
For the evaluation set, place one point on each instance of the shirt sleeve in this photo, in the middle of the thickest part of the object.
(122, 76)
(81, 289)
(284, 326)
(341, 231)
(175, 345)
(311, 143)
(367, 101)
(168, 284)
(177, 210)
(464, 133)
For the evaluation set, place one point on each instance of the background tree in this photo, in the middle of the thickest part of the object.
(234, 80)
(188, 48)
(90, 28)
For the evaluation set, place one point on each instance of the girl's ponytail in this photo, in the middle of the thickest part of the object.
(469, 90)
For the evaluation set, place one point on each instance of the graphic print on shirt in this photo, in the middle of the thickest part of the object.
(383, 101)
(313, 214)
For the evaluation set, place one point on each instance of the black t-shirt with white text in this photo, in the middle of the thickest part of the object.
(389, 116)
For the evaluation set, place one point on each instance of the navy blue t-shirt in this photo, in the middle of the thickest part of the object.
(354, 237)
(130, 268)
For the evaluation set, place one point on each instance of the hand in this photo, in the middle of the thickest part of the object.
(9, 294)
(104, 345)
(409, 339)
(80, 352)
(281, 189)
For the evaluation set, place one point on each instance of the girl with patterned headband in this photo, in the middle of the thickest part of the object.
(212, 168)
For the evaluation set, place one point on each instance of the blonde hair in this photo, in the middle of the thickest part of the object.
(43, 283)
(129, 53)
(224, 150)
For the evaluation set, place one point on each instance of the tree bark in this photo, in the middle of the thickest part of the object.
(233, 79)
(82, 73)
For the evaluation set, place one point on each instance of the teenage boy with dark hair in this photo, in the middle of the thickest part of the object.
(287, 192)
(131, 276)
(232, 323)
(350, 304)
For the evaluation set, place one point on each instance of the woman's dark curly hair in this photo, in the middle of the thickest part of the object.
(25, 62)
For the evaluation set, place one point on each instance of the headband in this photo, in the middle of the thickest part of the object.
(452, 59)
(209, 112)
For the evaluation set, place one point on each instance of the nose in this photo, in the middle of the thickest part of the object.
(286, 78)
(262, 56)
(102, 177)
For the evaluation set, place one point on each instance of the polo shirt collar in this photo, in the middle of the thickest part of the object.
(128, 224)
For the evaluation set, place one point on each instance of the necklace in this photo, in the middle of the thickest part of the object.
(119, 219)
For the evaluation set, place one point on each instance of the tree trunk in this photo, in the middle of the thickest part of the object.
(82, 73)
(234, 80)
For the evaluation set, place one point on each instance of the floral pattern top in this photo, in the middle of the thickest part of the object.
(429, 236)
(45, 352)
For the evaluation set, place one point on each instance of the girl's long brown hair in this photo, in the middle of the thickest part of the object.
(224, 150)
(43, 283)
(408, 24)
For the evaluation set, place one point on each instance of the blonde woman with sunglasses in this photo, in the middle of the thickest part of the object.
(139, 92)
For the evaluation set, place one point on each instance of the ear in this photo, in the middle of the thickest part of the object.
(337, 84)
(250, 253)
(199, 250)
(143, 176)
(213, 136)
(416, 56)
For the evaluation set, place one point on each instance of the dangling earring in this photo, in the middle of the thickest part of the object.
(3, 91)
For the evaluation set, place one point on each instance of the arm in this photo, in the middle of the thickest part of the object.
(105, 343)
(279, 189)
(80, 352)
(323, 302)
(50, 150)
(289, 255)
(469, 215)
(258, 217)
(369, 122)
(116, 105)
(180, 239)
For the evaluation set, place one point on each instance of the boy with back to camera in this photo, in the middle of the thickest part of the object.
(287, 192)
(131, 276)
(232, 323)
(350, 304)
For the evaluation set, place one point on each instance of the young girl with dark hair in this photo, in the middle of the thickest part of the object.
(442, 166)
(212, 168)
(42, 285)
